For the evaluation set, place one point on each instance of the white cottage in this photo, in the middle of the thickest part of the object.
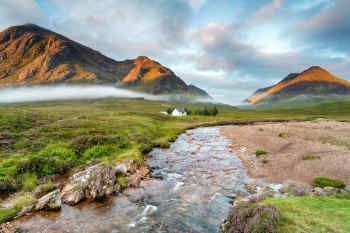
(179, 112)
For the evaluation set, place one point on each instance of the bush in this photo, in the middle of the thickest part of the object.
(323, 182)
(282, 134)
(47, 187)
(260, 152)
(252, 218)
(311, 157)
(98, 152)
(122, 181)
(82, 143)
(60, 150)
(30, 181)
(26, 200)
(265, 161)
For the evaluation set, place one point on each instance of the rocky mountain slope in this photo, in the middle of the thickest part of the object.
(313, 81)
(30, 54)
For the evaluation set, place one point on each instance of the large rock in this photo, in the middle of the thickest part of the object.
(51, 201)
(93, 183)
(347, 188)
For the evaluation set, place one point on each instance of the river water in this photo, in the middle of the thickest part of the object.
(193, 185)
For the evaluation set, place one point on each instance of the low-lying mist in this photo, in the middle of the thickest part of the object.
(68, 92)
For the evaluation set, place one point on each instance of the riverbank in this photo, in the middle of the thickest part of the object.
(297, 151)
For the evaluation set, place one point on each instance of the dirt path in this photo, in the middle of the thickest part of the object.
(297, 150)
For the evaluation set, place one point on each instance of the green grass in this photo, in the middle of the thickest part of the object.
(323, 182)
(7, 214)
(30, 181)
(313, 214)
(47, 187)
(26, 200)
(260, 152)
(282, 134)
(311, 157)
(47, 138)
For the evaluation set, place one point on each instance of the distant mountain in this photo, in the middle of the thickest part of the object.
(313, 81)
(200, 91)
(30, 55)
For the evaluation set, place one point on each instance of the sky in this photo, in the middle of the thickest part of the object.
(228, 47)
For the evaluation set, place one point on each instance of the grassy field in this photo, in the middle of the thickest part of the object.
(45, 138)
(42, 139)
(313, 214)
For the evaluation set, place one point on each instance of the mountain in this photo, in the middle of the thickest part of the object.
(31, 55)
(313, 81)
(200, 91)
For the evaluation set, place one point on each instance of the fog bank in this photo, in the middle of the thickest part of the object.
(70, 92)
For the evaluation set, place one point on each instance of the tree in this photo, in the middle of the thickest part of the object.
(206, 112)
(215, 111)
(170, 110)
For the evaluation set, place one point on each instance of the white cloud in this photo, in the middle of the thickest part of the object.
(14, 12)
(265, 13)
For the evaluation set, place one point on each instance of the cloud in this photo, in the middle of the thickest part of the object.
(329, 28)
(265, 13)
(125, 29)
(19, 12)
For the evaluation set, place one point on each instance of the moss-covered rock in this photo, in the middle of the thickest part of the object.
(252, 218)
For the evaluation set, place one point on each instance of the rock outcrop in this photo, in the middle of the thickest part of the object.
(51, 201)
(91, 183)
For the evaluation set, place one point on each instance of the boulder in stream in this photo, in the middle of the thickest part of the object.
(51, 201)
(92, 183)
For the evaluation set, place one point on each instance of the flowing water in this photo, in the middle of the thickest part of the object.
(191, 191)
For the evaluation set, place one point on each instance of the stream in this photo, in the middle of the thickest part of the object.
(191, 190)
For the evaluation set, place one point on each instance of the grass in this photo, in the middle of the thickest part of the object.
(41, 139)
(260, 152)
(7, 214)
(311, 157)
(25, 200)
(30, 181)
(265, 161)
(282, 134)
(47, 138)
(323, 182)
(47, 187)
(313, 214)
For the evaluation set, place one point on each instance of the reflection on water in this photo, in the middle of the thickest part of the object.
(198, 175)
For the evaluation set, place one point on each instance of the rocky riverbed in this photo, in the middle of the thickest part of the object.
(191, 189)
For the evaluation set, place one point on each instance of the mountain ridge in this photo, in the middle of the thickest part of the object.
(314, 80)
(32, 55)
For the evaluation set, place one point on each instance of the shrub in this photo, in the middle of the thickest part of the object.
(260, 152)
(123, 181)
(30, 181)
(264, 161)
(261, 129)
(60, 150)
(311, 157)
(252, 218)
(98, 152)
(282, 134)
(47, 187)
(82, 143)
(26, 200)
(323, 182)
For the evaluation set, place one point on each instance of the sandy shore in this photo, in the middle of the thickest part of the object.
(288, 144)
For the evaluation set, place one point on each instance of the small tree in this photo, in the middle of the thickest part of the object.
(206, 112)
(170, 110)
(215, 111)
